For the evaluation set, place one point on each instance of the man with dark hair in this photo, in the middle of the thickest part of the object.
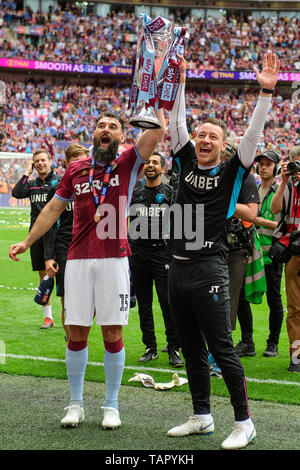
(198, 278)
(97, 270)
(150, 258)
(116, 116)
(37, 190)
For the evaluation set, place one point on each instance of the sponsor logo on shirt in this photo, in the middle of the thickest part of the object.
(38, 197)
(83, 188)
(152, 211)
(202, 181)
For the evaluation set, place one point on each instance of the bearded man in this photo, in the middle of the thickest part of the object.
(97, 270)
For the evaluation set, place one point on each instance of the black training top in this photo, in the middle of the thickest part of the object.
(206, 199)
(148, 211)
(37, 191)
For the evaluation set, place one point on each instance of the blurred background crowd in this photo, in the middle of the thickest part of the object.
(234, 43)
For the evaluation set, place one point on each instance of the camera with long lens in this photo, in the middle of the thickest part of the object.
(293, 167)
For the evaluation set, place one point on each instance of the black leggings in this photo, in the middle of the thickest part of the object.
(200, 305)
(273, 278)
(150, 265)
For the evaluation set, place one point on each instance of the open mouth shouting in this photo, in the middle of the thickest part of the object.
(105, 140)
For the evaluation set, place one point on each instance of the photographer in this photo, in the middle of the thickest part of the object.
(287, 248)
(267, 165)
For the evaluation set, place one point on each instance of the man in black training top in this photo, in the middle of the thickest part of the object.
(198, 279)
(150, 260)
(37, 190)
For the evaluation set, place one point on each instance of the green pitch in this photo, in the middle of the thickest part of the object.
(41, 353)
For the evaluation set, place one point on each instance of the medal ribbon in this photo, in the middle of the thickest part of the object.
(98, 200)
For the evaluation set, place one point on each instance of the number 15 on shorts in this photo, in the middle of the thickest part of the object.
(124, 302)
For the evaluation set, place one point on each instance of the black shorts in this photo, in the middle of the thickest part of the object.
(61, 260)
(37, 255)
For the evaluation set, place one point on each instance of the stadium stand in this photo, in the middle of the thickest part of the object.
(48, 109)
(222, 43)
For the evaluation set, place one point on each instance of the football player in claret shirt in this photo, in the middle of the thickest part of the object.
(97, 269)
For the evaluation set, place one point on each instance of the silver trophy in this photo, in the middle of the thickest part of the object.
(162, 40)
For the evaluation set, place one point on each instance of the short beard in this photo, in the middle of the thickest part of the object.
(106, 155)
(152, 177)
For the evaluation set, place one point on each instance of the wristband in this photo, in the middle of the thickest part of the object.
(266, 90)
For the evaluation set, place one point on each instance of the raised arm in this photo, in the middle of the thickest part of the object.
(278, 198)
(177, 117)
(45, 220)
(267, 80)
(149, 139)
(21, 189)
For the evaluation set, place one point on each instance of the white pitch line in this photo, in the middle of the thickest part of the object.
(145, 369)
(17, 288)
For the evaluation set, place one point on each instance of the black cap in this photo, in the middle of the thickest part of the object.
(270, 154)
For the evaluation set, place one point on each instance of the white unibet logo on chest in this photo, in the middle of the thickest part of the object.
(82, 188)
(202, 181)
(38, 197)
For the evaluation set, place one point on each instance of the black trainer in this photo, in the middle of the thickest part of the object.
(271, 350)
(294, 364)
(149, 355)
(175, 359)
(245, 349)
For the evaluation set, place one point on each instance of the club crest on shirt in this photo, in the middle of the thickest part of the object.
(159, 198)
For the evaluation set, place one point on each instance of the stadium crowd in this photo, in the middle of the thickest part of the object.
(223, 43)
(37, 115)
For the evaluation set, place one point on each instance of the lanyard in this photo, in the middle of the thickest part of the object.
(98, 200)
